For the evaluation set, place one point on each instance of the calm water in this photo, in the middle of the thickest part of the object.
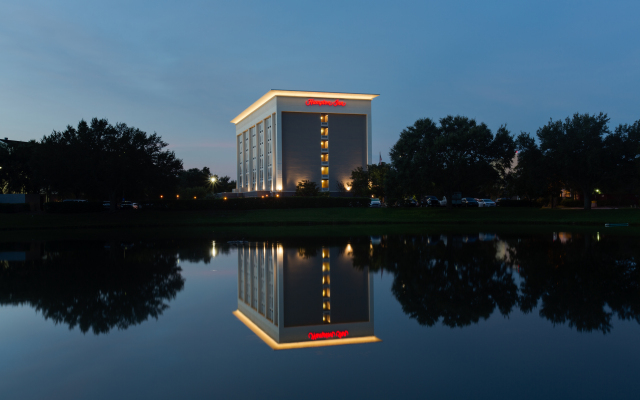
(474, 315)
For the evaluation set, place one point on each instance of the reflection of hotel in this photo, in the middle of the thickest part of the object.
(293, 298)
(288, 136)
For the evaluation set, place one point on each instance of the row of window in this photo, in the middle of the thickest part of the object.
(326, 286)
(324, 151)
(256, 274)
(253, 176)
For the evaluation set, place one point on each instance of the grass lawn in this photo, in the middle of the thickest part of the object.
(326, 222)
(317, 216)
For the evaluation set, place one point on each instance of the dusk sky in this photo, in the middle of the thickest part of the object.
(184, 69)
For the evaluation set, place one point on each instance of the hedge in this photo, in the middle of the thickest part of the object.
(572, 203)
(13, 207)
(518, 203)
(250, 203)
(257, 203)
(66, 207)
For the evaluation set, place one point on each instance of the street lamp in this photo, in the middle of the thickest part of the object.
(213, 179)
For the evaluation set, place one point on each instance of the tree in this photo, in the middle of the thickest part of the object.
(100, 160)
(307, 188)
(587, 155)
(194, 177)
(529, 176)
(223, 184)
(16, 175)
(623, 158)
(458, 155)
(408, 175)
(369, 182)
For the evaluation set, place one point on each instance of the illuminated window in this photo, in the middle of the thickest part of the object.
(326, 292)
(324, 157)
(324, 118)
(324, 170)
(325, 253)
(324, 144)
(325, 266)
(326, 305)
(325, 184)
(324, 131)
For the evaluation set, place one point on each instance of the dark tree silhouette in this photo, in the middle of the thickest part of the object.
(95, 287)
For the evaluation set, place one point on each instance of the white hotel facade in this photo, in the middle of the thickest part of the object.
(289, 136)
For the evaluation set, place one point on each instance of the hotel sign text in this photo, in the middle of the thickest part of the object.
(314, 102)
(328, 335)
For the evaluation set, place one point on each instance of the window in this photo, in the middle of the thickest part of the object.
(325, 184)
(324, 131)
(324, 170)
(324, 118)
(324, 157)
(324, 144)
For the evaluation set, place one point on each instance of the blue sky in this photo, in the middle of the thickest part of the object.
(184, 69)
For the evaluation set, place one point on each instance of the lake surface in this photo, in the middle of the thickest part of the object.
(464, 315)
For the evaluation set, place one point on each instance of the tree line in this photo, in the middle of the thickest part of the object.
(458, 154)
(100, 161)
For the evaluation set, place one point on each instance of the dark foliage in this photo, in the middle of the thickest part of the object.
(102, 161)
(94, 286)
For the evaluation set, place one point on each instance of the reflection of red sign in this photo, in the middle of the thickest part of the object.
(314, 102)
(328, 335)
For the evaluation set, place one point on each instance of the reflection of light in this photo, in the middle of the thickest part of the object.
(349, 249)
(300, 345)
(280, 250)
(279, 188)
(213, 249)
(598, 236)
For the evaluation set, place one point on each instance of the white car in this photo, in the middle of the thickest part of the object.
(486, 203)
(375, 203)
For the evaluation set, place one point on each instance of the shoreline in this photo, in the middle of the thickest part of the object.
(313, 217)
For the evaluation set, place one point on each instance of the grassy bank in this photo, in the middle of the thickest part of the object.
(321, 216)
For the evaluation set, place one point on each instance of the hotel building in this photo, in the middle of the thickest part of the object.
(294, 298)
(289, 136)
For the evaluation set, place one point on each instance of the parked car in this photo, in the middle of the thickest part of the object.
(127, 205)
(425, 200)
(406, 203)
(443, 202)
(469, 202)
(433, 203)
(486, 203)
(375, 203)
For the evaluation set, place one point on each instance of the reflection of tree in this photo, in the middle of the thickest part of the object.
(459, 279)
(458, 284)
(94, 287)
(582, 282)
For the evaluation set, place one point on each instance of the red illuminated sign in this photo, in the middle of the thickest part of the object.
(328, 335)
(314, 102)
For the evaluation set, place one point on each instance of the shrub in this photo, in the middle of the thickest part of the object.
(519, 203)
(572, 203)
(13, 208)
(73, 207)
(258, 203)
